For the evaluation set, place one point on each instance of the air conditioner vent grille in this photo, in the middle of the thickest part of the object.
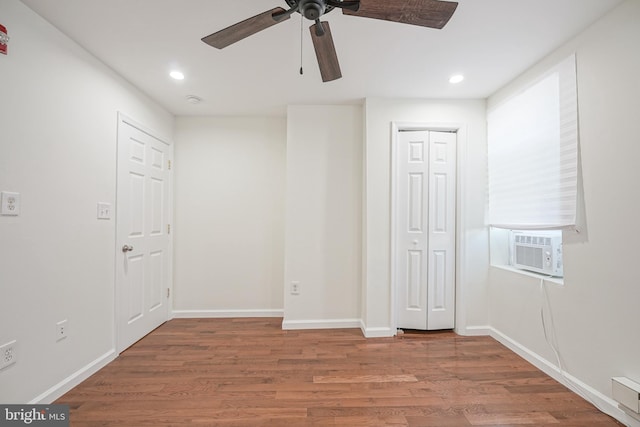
(537, 251)
(527, 255)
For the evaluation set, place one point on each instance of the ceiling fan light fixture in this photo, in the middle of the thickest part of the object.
(176, 75)
(456, 79)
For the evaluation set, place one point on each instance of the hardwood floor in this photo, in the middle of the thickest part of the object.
(248, 372)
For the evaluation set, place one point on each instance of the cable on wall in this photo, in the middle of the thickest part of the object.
(554, 347)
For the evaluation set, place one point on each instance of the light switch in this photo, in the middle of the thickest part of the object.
(104, 210)
(10, 203)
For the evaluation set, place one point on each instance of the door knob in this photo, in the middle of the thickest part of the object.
(415, 242)
(127, 248)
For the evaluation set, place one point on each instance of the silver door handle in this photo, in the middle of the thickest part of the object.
(127, 248)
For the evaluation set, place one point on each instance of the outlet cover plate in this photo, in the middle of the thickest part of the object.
(10, 203)
(62, 330)
(8, 354)
(295, 288)
(104, 210)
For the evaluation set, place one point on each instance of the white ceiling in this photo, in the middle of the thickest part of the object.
(489, 41)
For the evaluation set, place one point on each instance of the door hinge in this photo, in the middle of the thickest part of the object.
(168, 228)
(169, 164)
(168, 292)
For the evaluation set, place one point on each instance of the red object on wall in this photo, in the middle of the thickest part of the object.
(3, 46)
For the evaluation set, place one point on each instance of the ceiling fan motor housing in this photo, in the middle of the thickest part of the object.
(312, 9)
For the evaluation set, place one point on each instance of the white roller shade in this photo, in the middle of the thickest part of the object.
(533, 154)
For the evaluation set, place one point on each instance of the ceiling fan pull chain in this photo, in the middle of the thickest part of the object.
(301, 39)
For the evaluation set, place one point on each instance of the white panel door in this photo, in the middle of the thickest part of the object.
(441, 264)
(143, 242)
(425, 230)
(412, 231)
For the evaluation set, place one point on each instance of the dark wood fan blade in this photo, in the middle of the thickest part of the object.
(244, 29)
(325, 52)
(426, 13)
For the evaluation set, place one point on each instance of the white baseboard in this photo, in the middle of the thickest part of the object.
(474, 331)
(321, 324)
(602, 402)
(377, 332)
(74, 379)
(196, 314)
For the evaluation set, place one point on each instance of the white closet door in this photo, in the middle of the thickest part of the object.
(441, 264)
(425, 230)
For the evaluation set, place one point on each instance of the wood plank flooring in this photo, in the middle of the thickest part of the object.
(248, 372)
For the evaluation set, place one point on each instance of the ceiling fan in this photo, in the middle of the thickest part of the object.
(425, 13)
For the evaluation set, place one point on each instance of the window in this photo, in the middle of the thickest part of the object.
(533, 166)
(533, 154)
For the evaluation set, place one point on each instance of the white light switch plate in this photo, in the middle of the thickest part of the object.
(104, 210)
(10, 203)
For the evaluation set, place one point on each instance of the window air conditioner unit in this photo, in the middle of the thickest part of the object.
(540, 252)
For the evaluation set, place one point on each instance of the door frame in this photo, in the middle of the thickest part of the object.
(117, 337)
(461, 132)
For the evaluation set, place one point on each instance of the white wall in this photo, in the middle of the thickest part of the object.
(596, 312)
(323, 216)
(229, 220)
(58, 119)
(473, 256)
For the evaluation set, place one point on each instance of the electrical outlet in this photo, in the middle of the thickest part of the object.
(10, 203)
(8, 354)
(295, 288)
(61, 330)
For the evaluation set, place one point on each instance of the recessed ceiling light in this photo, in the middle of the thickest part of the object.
(177, 75)
(456, 79)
